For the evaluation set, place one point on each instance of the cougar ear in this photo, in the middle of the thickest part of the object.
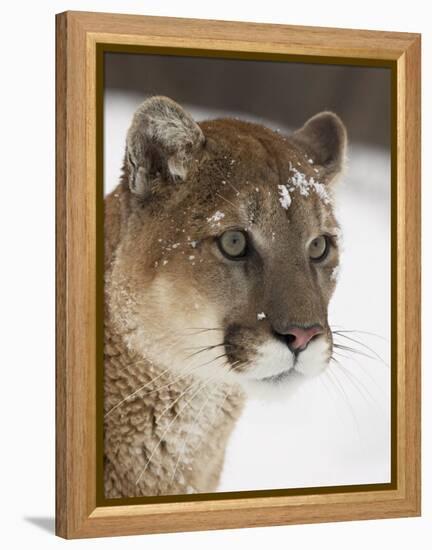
(161, 144)
(324, 139)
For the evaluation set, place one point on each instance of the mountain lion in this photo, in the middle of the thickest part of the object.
(221, 254)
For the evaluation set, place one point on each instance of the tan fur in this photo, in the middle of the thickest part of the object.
(184, 334)
(133, 432)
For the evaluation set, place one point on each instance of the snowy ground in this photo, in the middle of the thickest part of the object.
(336, 430)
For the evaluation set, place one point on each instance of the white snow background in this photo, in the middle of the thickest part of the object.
(336, 429)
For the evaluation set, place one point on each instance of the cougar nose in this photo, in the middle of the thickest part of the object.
(297, 338)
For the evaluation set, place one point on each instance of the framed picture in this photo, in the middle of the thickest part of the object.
(238, 274)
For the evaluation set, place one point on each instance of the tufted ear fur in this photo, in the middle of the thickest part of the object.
(324, 139)
(161, 143)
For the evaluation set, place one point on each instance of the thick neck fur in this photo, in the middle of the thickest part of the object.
(164, 433)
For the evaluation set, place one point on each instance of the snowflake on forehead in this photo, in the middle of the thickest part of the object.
(285, 197)
(306, 185)
(215, 219)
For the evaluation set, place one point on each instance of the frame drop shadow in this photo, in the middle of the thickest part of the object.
(45, 523)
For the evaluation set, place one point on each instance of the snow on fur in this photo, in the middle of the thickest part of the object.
(304, 185)
(335, 273)
(285, 197)
(217, 216)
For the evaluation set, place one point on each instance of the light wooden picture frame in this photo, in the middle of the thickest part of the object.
(82, 39)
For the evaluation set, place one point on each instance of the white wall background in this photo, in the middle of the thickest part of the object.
(27, 275)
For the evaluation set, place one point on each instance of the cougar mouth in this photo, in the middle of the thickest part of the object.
(265, 366)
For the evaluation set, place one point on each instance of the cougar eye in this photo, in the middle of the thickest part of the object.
(318, 248)
(233, 243)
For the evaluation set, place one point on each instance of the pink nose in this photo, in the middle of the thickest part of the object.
(297, 338)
